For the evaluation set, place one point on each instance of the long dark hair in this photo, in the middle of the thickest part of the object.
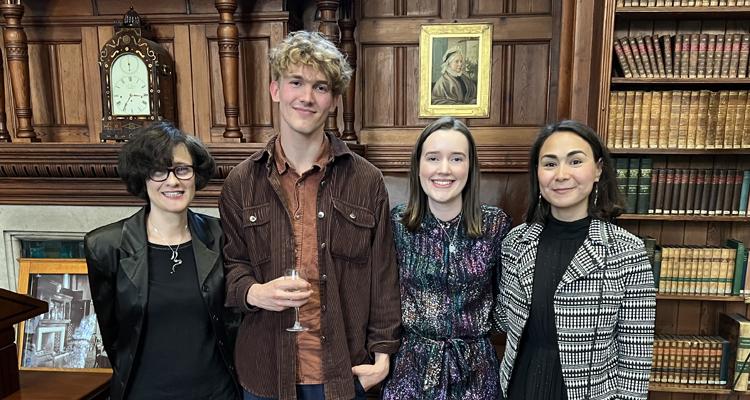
(418, 205)
(608, 204)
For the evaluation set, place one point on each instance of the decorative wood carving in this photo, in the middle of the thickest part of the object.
(4, 134)
(492, 158)
(229, 56)
(349, 48)
(17, 54)
(330, 29)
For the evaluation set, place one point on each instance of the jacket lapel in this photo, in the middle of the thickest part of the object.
(528, 244)
(205, 256)
(589, 257)
(134, 259)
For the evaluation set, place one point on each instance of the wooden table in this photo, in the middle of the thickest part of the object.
(46, 385)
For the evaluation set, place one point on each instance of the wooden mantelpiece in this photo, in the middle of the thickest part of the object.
(86, 174)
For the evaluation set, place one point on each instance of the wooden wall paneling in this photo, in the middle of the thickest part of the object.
(255, 98)
(586, 76)
(92, 78)
(201, 85)
(515, 196)
(183, 78)
(43, 84)
(46, 8)
(420, 8)
(378, 71)
(531, 6)
(376, 9)
(530, 102)
(500, 98)
(144, 7)
(479, 8)
(410, 88)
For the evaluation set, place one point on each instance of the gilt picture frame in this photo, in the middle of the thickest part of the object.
(455, 63)
(67, 337)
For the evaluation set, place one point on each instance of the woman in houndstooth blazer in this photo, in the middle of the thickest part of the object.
(576, 296)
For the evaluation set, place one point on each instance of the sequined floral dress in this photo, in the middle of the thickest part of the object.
(446, 306)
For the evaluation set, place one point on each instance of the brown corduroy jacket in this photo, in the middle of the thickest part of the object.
(360, 300)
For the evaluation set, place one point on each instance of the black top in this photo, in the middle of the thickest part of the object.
(537, 374)
(178, 356)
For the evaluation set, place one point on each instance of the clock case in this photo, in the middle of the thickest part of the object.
(129, 38)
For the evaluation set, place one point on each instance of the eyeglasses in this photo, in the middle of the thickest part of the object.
(181, 172)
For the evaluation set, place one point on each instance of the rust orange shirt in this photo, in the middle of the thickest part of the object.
(300, 193)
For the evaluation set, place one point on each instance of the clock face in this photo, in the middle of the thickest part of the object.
(129, 86)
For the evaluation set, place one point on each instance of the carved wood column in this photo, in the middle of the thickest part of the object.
(229, 56)
(4, 135)
(330, 29)
(349, 48)
(17, 53)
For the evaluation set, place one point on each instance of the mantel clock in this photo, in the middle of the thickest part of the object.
(138, 81)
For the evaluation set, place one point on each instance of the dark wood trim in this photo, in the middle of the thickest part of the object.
(154, 19)
(692, 218)
(492, 158)
(655, 387)
(681, 297)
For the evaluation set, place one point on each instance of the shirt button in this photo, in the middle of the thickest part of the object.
(323, 308)
(352, 216)
(323, 182)
(323, 245)
(324, 277)
(321, 214)
(323, 338)
(253, 218)
(297, 216)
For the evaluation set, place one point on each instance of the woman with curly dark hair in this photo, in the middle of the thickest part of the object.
(157, 280)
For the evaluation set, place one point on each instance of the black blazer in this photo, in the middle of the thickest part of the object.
(117, 259)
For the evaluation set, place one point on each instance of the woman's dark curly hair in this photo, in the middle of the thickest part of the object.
(151, 148)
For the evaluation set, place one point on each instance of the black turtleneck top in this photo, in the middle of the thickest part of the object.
(537, 374)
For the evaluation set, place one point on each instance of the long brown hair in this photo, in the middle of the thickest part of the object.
(417, 206)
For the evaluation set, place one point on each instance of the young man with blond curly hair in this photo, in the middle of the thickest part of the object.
(306, 202)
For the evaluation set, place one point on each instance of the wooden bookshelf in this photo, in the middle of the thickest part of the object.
(692, 218)
(682, 297)
(676, 314)
(666, 152)
(683, 12)
(660, 387)
(620, 81)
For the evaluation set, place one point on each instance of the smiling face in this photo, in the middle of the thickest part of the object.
(305, 99)
(567, 172)
(444, 169)
(173, 195)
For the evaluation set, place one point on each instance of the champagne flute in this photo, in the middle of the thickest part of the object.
(293, 273)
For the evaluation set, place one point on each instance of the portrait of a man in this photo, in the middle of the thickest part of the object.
(454, 85)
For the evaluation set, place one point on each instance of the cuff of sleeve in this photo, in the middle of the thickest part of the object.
(243, 289)
(385, 347)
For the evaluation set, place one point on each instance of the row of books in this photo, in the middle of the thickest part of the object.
(692, 55)
(735, 328)
(682, 191)
(682, 3)
(698, 360)
(679, 119)
(702, 270)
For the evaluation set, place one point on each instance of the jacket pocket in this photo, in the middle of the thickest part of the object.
(351, 231)
(255, 222)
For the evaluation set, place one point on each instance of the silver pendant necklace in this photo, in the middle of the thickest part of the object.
(175, 258)
(451, 244)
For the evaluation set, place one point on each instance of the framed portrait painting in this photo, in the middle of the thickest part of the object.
(454, 69)
(67, 337)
